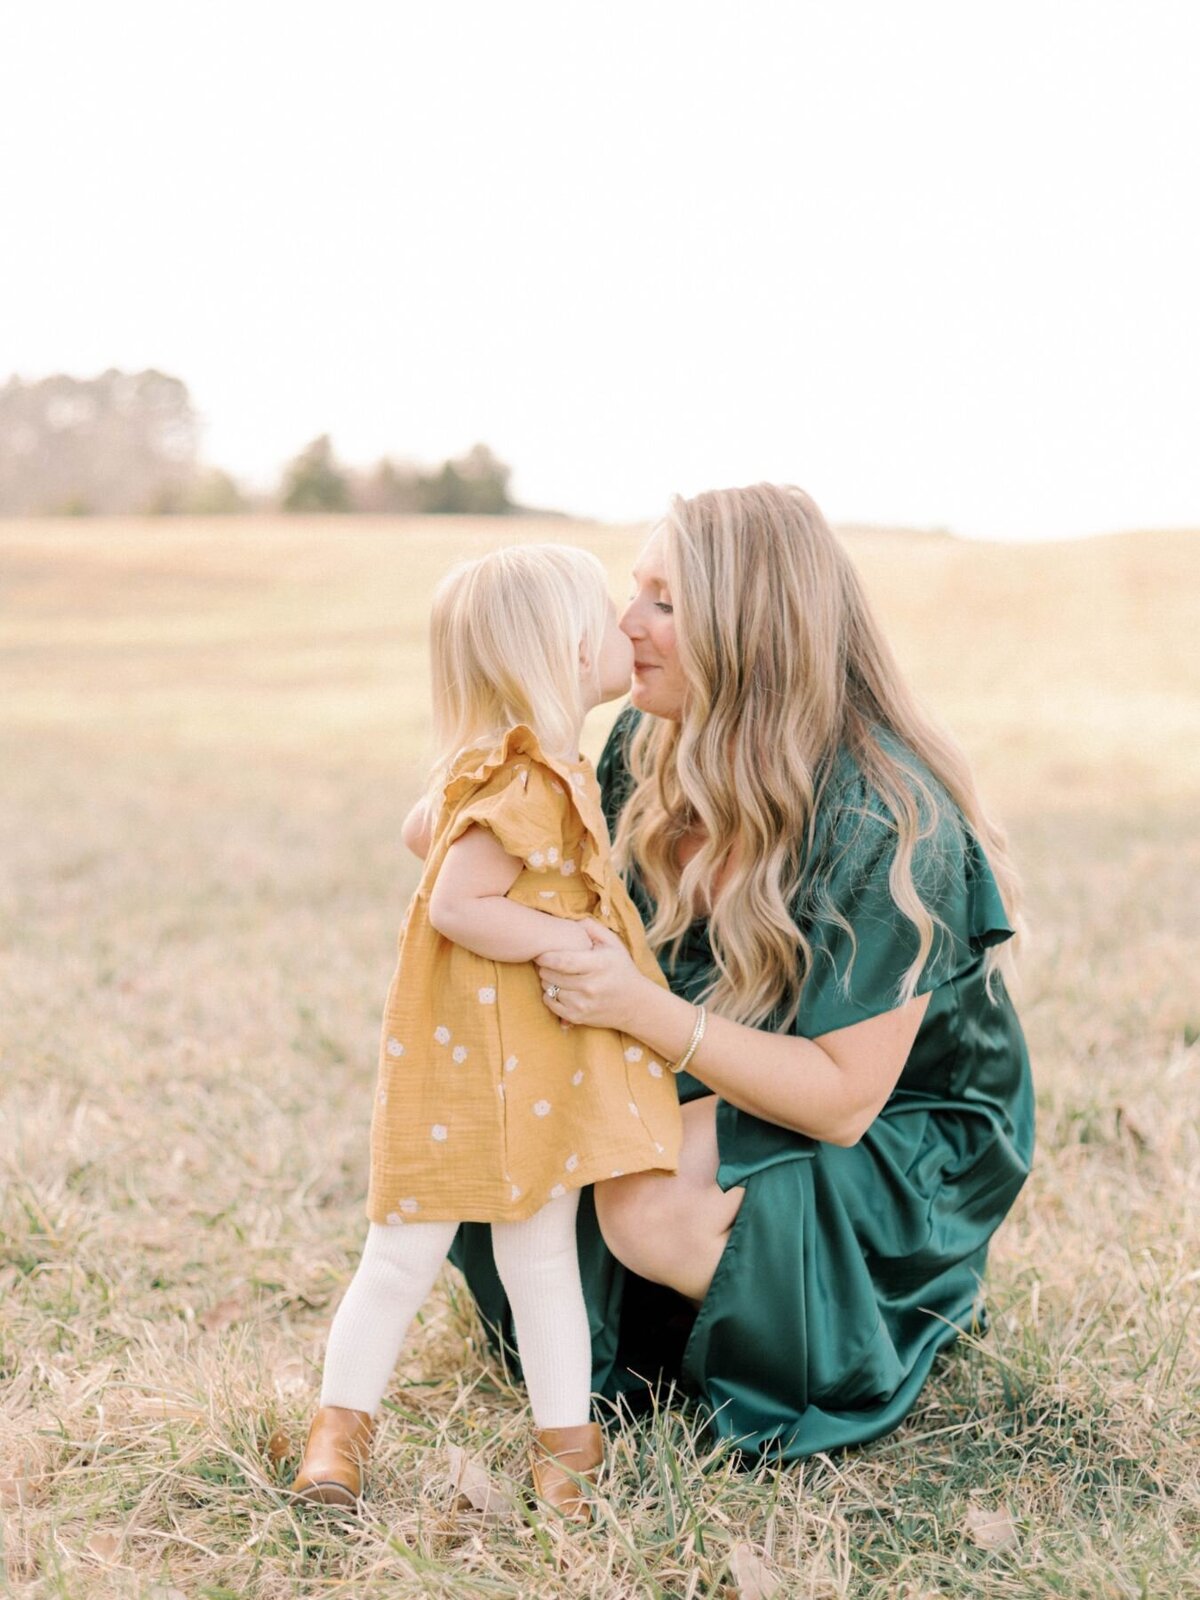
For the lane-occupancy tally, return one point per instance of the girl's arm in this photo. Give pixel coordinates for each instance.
(831, 1088)
(468, 906)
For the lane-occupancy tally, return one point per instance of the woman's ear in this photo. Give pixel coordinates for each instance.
(585, 662)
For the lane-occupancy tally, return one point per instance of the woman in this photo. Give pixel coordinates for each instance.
(828, 902)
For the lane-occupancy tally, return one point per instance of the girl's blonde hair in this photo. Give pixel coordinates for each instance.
(784, 665)
(505, 637)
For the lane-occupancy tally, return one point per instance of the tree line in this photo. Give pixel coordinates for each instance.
(128, 443)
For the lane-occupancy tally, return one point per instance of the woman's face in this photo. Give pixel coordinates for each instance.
(658, 683)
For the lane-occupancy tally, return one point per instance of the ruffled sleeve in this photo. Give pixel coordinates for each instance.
(516, 796)
(862, 942)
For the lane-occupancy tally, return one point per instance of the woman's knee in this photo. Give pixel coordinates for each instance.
(636, 1214)
(667, 1229)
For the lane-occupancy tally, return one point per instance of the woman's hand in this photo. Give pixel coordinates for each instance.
(599, 987)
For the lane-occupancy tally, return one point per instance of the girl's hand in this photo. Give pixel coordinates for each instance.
(599, 987)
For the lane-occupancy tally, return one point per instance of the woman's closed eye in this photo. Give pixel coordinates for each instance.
(664, 606)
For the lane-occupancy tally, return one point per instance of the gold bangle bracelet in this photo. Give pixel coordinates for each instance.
(694, 1042)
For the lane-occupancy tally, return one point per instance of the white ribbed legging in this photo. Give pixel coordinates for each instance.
(538, 1264)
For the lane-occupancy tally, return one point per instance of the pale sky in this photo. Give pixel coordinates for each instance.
(939, 262)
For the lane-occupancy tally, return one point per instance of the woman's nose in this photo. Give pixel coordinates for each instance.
(628, 620)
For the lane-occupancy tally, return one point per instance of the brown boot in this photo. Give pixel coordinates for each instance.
(331, 1473)
(561, 1456)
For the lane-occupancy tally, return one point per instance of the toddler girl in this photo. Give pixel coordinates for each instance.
(488, 1108)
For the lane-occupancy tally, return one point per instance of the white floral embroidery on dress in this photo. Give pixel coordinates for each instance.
(514, 1193)
(500, 1090)
(558, 1191)
(556, 786)
(547, 894)
(659, 1147)
(577, 1077)
(654, 1068)
(441, 1035)
(633, 1110)
(459, 1053)
(634, 1053)
(394, 1219)
(394, 1047)
(511, 1064)
(440, 1132)
(409, 1205)
(537, 859)
(571, 1162)
(578, 779)
(552, 855)
(617, 1172)
(568, 867)
(541, 1108)
(487, 996)
(381, 1097)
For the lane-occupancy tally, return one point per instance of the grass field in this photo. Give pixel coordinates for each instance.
(210, 732)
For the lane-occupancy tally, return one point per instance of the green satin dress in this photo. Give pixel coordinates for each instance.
(846, 1270)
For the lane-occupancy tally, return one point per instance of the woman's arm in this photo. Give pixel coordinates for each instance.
(415, 829)
(831, 1088)
(468, 906)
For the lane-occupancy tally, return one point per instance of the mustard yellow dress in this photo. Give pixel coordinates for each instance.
(487, 1104)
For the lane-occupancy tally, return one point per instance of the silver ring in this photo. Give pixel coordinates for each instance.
(552, 992)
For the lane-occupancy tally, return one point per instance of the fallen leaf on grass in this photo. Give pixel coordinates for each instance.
(990, 1529)
(474, 1489)
(279, 1446)
(104, 1545)
(19, 1489)
(752, 1579)
(221, 1316)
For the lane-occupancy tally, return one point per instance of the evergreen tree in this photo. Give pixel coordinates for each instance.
(314, 481)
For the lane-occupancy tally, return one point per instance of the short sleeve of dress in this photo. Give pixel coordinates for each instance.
(518, 800)
(862, 943)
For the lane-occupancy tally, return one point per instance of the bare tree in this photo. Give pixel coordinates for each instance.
(122, 442)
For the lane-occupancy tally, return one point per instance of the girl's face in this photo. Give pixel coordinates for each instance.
(649, 621)
(610, 677)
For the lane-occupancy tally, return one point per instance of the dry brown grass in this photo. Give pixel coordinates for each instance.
(210, 732)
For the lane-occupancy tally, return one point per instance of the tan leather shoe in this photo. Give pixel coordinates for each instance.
(559, 1458)
(331, 1473)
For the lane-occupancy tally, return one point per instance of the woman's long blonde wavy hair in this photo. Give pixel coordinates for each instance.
(505, 635)
(784, 665)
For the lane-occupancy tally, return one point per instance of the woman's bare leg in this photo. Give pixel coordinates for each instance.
(673, 1229)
